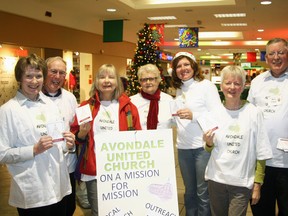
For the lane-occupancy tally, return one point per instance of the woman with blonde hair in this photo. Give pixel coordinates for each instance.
(111, 110)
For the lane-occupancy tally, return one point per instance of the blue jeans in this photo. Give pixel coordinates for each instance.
(192, 164)
(92, 196)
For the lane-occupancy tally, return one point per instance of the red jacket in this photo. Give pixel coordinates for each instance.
(88, 161)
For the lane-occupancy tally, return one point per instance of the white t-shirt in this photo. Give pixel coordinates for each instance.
(165, 119)
(239, 141)
(106, 120)
(270, 94)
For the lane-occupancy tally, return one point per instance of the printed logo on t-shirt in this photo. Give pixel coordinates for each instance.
(233, 139)
(273, 101)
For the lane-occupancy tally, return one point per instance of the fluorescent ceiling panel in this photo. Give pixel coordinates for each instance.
(233, 24)
(175, 26)
(229, 15)
(162, 18)
(149, 4)
(220, 35)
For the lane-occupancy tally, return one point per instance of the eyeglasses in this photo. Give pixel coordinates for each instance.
(150, 79)
(279, 53)
(55, 72)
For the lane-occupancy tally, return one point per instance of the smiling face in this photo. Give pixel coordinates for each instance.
(149, 82)
(277, 58)
(56, 76)
(184, 70)
(232, 86)
(31, 83)
(107, 83)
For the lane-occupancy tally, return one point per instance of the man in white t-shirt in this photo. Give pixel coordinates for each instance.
(269, 91)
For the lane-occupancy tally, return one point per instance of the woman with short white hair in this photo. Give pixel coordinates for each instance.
(239, 149)
(153, 104)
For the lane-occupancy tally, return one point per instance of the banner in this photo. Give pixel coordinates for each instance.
(136, 173)
(188, 37)
(251, 56)
(262, 56)
(237, 58)
(157, 33)
(113, 31)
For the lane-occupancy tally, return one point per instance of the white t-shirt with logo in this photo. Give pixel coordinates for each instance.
(270, 94)
(239, 141)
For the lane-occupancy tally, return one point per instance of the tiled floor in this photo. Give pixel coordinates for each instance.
(6, 210)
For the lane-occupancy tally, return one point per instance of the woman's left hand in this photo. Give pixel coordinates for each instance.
(256, 191)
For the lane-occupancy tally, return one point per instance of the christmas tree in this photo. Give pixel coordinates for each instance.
(146, 52)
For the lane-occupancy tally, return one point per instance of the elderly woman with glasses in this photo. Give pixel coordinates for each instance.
(152, 104)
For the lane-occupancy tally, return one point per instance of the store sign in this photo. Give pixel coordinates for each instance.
(165, 56)
(188, 37)
(136, 173)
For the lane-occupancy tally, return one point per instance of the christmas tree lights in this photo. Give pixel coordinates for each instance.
(146, 52)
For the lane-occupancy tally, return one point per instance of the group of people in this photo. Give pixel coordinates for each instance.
(223, 167)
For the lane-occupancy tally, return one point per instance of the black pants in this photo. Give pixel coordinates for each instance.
(274, 189)
(70, 199)
(51, 210)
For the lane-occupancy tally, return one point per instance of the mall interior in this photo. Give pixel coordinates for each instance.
(84, 53)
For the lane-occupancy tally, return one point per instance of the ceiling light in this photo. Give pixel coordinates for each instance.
(266, 2)
(162, 18)
(230, 15)
(111, 10)
(260, 30)
(259, 38)
(233, 24)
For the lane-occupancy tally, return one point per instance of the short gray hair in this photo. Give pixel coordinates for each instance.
(233, 70)
(149, 68)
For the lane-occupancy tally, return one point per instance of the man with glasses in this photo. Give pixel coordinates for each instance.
(67, 104)
(269, 91)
